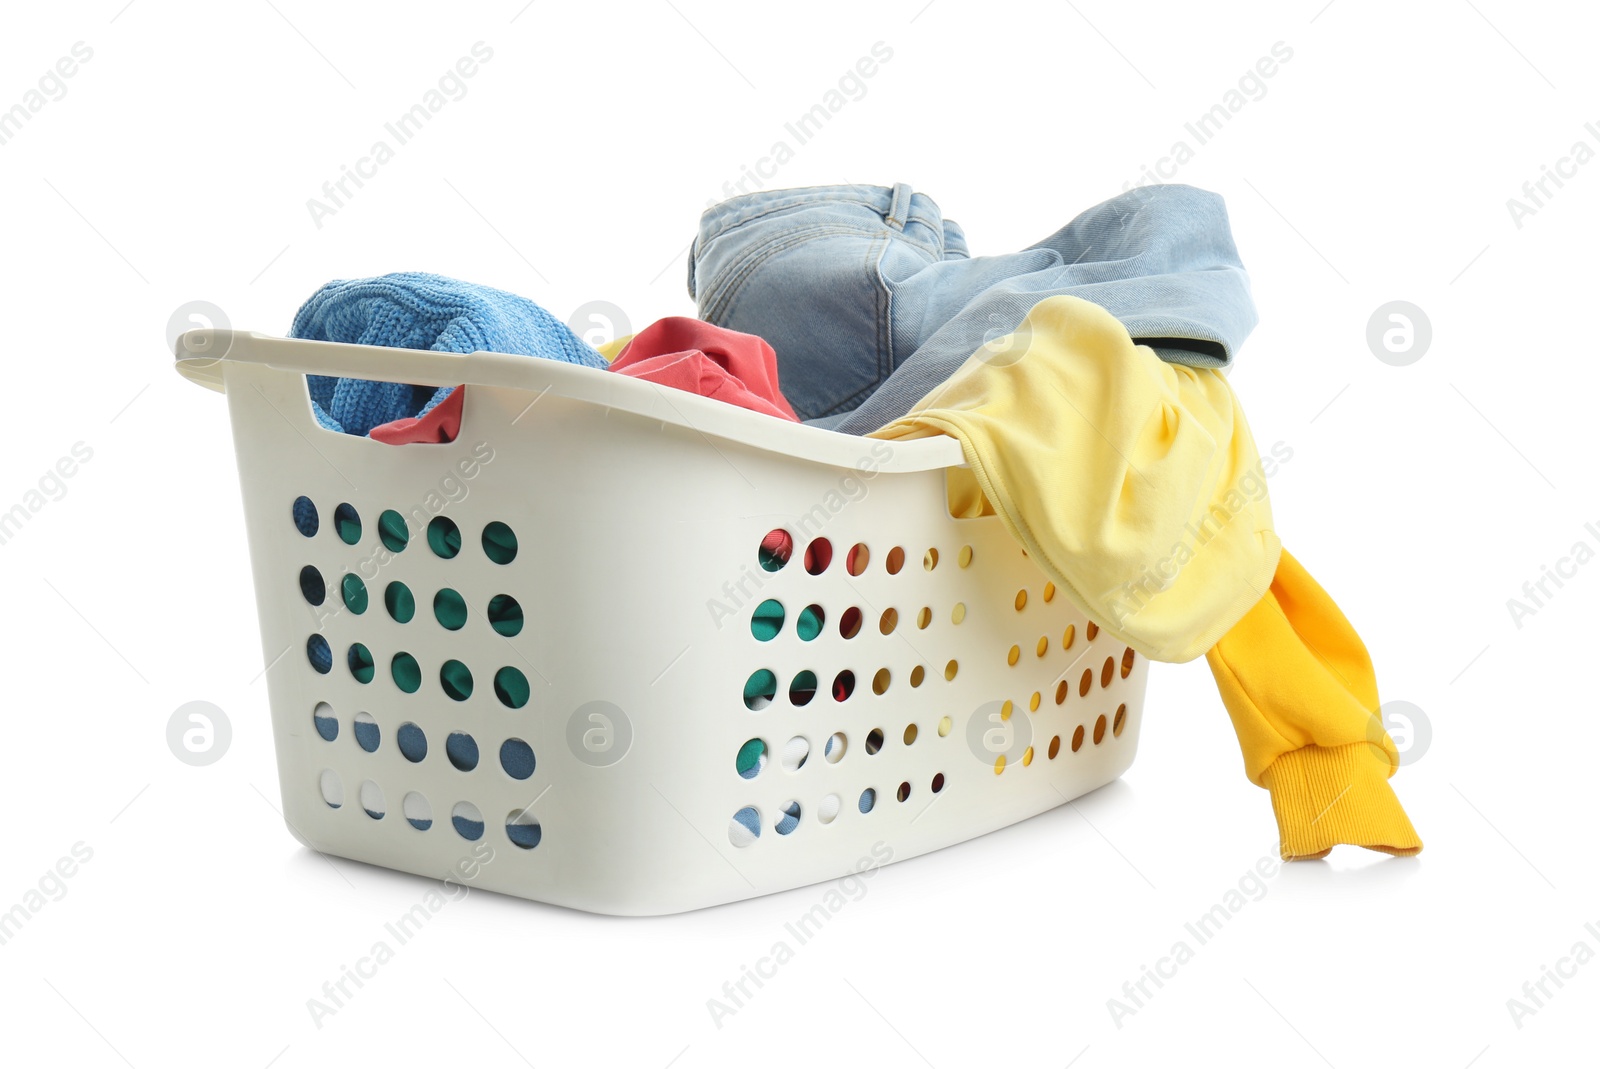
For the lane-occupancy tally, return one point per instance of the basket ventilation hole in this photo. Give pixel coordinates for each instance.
(888, 622)
(312, 587)
(938, 782)
(751, 759)
(1077, 738)
(924, 617)
(844, 685)
(468, 821)
(808, 625)
(1049, 593)
(305, 518)
(372, 800)
(1061, 692)
(1033, 701)
(1085, 682)
(1055, 747)
(767, 620)
(1127, 662)
(359, 660)
(462, 750)
(788, 818)
(959, 613)
(795, 754)
(1119, 721)
(500, 544)
(855, 561)
(1099, 728)
(450, 609)
(819, 554)
(455, 679)
(318, 653)
(395, 536)
(910, 735)
(1090, 630)
(902, 792)
(354, 592)
(347, 521)
(874, 740)
(1041, 647)
(1068, 637)
(367, 734)
(1027, 757)
(930, 560)
(418, 813)
(406, 672)
(950, 670)
(918, 674)
(511, 687)
(505, 615)
(869, 798)
(964, 558)
(850, 623)
(325, 721)
(523, 829)
(895, 561)
(760, 689)
(412, 741)
(516, 758)
(398, 600)
(880, 681)
(775, 550)
(745, 827)
(444, 537)
(332, 790)
(1013, 655)
(803, 688)
(1021, 601)
(833, 750)
(828, 808)
(1108, 671)
(945, 725)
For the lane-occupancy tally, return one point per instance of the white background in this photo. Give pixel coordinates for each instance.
(1376, 167)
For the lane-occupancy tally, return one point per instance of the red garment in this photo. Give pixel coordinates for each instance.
(680, 352)
(439, 425)
(693, 355)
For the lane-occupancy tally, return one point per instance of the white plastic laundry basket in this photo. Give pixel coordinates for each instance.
(555, 660)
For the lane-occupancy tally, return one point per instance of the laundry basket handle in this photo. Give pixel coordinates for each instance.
(203, 356)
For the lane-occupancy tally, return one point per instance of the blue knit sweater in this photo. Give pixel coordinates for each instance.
(412, 310)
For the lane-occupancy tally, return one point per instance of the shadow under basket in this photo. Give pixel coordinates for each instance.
(629, 650)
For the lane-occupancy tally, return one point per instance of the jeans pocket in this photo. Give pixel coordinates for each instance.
(815, 294)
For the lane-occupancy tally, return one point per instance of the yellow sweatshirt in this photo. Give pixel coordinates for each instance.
(1136, 486)
(1134, 483)
(612, 348)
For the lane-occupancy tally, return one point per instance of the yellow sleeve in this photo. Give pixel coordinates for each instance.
(1299, 686)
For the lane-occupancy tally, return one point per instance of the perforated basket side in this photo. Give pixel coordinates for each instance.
(610, 777)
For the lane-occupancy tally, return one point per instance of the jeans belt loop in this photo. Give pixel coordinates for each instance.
(899, 206)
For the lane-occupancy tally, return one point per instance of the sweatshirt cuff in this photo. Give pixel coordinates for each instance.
(1324, 796)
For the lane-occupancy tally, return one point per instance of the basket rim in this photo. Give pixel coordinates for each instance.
(207, 357)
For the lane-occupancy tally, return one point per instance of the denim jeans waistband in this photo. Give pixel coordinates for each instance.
(896, 207)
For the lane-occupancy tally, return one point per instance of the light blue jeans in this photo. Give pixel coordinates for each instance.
(871, 300)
